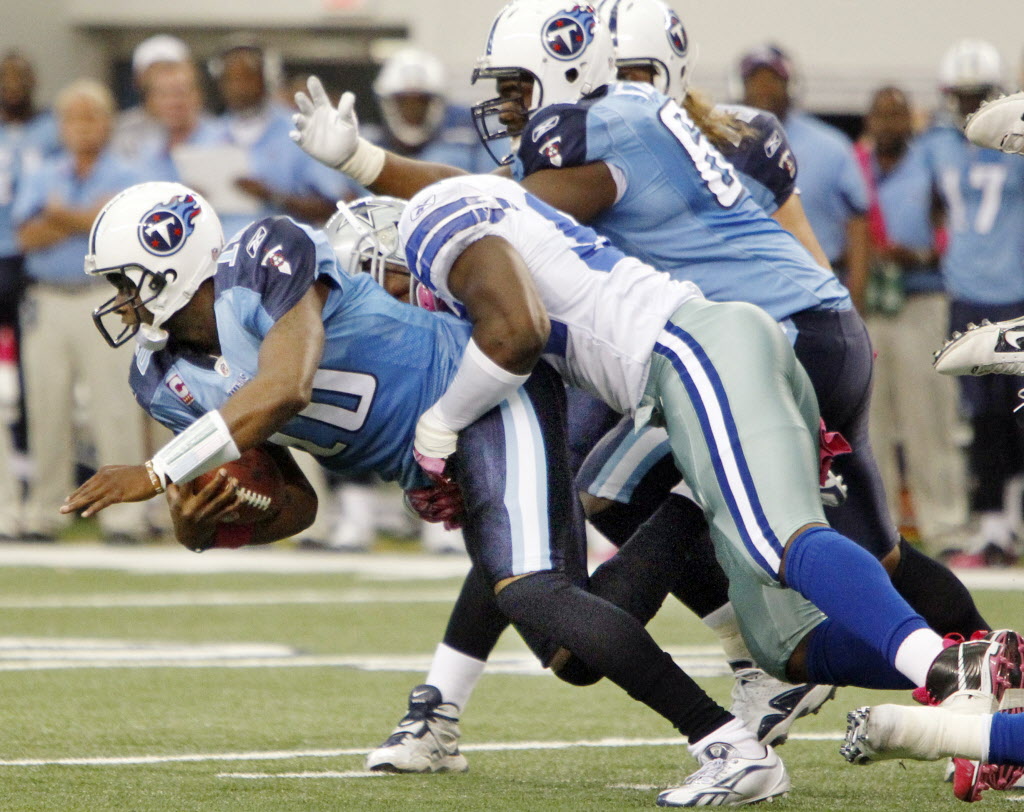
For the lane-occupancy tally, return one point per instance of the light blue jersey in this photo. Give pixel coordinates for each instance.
(983, 193)
(384, 362)
(154, 154)
(56, 180)
(22, 149)
(682, 208)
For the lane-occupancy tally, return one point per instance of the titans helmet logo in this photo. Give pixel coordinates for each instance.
(568, 33)
(166, 226)
(676, 33)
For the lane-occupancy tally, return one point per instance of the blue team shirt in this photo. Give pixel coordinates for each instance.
(154, 156)
(831, 185)
(905, 197)
(384, 362)
(279, 162)
(55, 179)
(983, 194)
(685, 209)
(22, 149)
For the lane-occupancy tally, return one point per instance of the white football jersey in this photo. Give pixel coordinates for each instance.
(606, 309)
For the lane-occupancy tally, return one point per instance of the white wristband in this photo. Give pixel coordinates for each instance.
(201, 447)
(365, 164)
(478, 386)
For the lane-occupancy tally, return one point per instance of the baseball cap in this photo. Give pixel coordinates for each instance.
(159, 48)
(766, 56)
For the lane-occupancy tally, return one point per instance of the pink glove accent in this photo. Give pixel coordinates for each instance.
(425, 298)
(831, 444)
(434, 466)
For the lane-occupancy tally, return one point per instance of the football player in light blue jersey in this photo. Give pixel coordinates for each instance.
(830, 339)
(982, 194)
(270, 340)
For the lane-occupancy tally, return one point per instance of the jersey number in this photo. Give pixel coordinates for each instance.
(990, 180)
(715, 171)
(344, 386)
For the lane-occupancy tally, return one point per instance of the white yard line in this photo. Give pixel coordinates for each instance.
(101, 600)
(283, 755)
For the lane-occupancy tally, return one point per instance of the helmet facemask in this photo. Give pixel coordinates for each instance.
(506, 115)
(137, 287)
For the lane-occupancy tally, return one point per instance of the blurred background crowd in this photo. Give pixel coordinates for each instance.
(878, 183)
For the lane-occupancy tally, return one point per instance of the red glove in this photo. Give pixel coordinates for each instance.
(441, 502)
(831, 444)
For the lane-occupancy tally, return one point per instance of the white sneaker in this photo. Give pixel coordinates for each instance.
(728, 779)
(425, 741)
(768, 707)
(998, 124)
(984, 349)
(355, 528)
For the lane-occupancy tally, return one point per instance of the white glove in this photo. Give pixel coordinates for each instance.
(331, 135)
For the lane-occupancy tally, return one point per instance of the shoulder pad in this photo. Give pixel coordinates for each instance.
(555, 138)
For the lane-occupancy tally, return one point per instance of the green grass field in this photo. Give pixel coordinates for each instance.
(88, 725)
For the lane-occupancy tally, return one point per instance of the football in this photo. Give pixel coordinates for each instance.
(260, 484)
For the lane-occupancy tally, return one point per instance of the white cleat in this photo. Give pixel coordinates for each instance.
(998, 124)
(728, 779)
(425, 741)
(769, 707)
(896, 731)
(984, 349)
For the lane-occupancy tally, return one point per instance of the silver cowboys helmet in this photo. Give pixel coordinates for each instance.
(156, 243)
(564, 49)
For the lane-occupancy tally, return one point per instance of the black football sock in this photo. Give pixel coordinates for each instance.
(611, 642)
(936, 593)
(476, 622)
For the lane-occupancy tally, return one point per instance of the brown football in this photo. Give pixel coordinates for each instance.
(260, 484)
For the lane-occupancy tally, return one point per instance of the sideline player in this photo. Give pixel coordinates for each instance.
(269, 339)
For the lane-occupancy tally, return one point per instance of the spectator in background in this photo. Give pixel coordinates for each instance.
(53, 212)
(912, 408)
(282, 179)
(175, 98)
(831, 186)
(138, 126)
(982, 194)
(27, 135)
(418, 122)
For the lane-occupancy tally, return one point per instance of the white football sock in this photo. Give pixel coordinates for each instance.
(916, 654)
(900, 731)
(455, 675)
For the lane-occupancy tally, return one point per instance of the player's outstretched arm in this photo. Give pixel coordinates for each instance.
(331, 135)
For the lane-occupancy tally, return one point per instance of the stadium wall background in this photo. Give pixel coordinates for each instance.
(845, 48)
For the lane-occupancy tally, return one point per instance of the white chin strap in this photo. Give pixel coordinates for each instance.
(151, 338)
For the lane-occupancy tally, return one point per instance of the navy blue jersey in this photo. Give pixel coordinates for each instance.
(384, 363)
(763, 157)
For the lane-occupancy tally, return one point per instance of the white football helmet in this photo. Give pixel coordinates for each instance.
(156, 243)
(649, 34)
(411, 71)
(562, 47)
(971, 65)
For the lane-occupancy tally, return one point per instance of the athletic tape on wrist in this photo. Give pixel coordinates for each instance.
(365, 164)
(201, 447)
